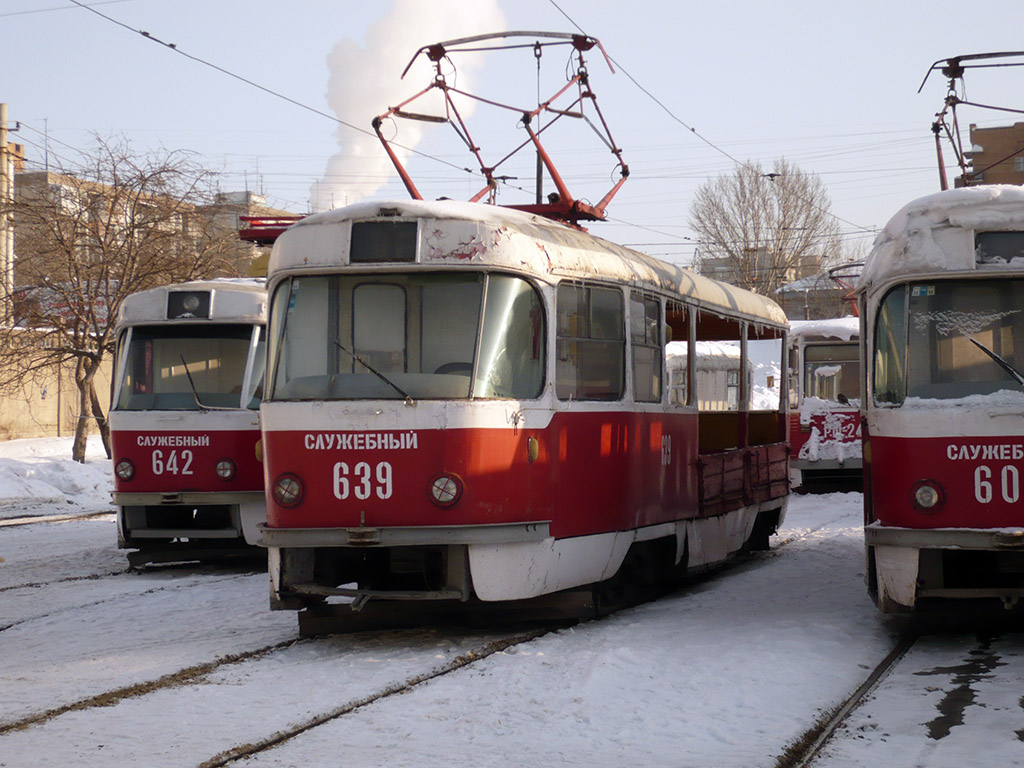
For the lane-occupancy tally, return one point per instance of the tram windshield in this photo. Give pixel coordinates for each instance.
(832, 371)
(949, 339)
(399, 336)
(160, 360)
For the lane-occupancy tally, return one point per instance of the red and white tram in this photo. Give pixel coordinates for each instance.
(466, 401)
(184, 421)
(824, 389)
(942, 296)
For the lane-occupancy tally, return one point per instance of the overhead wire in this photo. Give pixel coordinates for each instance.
(681, 122)
(199, 60)
(270, 91)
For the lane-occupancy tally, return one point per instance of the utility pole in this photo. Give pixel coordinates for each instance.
(6, 219)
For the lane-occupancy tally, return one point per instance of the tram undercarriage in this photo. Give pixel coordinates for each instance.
(614, 569)
(908, 566)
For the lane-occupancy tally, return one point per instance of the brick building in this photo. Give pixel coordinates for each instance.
(996, 156)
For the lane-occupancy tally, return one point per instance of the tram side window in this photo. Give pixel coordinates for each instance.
(677, 353)
(590, 343)
(512, 341)
(891, 348)
(645, 336)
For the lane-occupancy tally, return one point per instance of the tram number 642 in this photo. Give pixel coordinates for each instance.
(362, 480)
(1009, 484)
(173, 464)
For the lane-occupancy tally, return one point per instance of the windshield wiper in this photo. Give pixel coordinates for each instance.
(195, 393)
(378, 374)
(1002, 363)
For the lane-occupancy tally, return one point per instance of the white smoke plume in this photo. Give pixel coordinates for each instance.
(365, 80)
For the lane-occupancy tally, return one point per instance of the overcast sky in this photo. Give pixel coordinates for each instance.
(830, 86)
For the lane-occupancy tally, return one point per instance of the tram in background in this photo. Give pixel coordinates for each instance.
(824, 392)
(942, 297)
(184, 420)
(467, 402)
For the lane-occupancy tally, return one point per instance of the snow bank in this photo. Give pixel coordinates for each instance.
(38, 475)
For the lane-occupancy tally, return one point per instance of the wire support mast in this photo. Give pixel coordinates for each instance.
(569, 101)
(946, 122)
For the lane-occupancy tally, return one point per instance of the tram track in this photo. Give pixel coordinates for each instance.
(96, 577)
(245, 751)
(803, 751)
(9, 522)
(185, 676)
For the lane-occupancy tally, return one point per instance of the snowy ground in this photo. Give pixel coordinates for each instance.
(728, 672)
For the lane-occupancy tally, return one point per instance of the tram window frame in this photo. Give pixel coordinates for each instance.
(889, 353)
(842, 355)
(590, 342)
(646, 349)
(998, 247)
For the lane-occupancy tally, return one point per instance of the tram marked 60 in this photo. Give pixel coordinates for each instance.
(943, 298)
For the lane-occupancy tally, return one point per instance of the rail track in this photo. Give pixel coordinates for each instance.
(312, 678)
(17, 520)
(805, 749)
(245, 751)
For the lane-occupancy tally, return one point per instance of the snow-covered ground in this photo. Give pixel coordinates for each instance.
(727, 672)
(38, 477)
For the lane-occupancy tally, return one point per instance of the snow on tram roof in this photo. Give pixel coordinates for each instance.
(935, 233)
(233, 299)
(841, 328)
(479, 233)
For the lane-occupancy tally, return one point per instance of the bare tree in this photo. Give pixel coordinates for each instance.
(87, 236)
(762, 230)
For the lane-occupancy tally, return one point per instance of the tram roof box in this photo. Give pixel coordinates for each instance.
(936, 233)
(238, 300)
(483, 234)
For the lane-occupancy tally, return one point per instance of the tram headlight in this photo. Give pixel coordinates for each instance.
(445, 490)
(928, 496)
(125, 470)
(225, 469)
(288, 490)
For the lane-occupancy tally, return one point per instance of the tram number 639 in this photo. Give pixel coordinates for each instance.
(1009, 484)
(362, 480)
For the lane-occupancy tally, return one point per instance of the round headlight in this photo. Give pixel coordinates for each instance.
(288, 490)
(445, 490)
(125, 470)
(190, 303)
(928, 496)
(225, 469)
